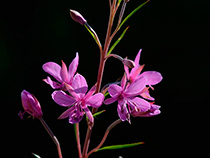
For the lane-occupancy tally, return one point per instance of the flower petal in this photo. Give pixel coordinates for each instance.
(90, 92)
(53, 69)
(64, 73)
(89, 114)
(73, 67)
(110, 101)
(53, 84)
(140, 103)
(136, 61)
(67, 113)
(62, 98)
(95, 100)
(153, 77)
(76, 116)
(80, 85)
(123, 111)
(114, 90)
(136, 87)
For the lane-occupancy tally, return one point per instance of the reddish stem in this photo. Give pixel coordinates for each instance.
(52, 136)
(105, 136)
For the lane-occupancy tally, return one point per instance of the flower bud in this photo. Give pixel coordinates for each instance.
(76, 16)
(31, 104)
(129, 63)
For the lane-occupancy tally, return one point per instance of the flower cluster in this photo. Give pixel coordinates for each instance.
(133, 85)
(77, 101)
(71, 89)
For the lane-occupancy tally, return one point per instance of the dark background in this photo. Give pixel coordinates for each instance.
(175, 40)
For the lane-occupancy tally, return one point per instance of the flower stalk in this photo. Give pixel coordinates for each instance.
(105, 136)
(55, 140)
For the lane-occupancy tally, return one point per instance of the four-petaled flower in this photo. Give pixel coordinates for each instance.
(127, 97)
(61, 74)
(152, 77)
(79, 101)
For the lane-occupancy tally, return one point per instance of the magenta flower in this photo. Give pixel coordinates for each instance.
(152, 77)
(154, 110)
(61, 74)
(31, 104)
(126, 95)
(79, 101)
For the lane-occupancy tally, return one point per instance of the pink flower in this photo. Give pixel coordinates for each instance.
(31, 104)
(61, 74)
(126, 95)
(152, 77)
(154, 110)
(79, 101)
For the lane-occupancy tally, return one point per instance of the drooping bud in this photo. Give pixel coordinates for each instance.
(127, 62)
(31, 104)
(76, 16)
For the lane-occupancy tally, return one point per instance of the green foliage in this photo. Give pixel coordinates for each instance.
(118, 40)
(113, 147)
(134, 11)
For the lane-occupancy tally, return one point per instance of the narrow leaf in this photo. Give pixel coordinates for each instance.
(113, 147)
(98, 113)
(37, 156)
(91, 33)
(118, 40)
(135, 10)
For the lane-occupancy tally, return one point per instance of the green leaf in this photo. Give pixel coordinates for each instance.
(113, 147)
(98, 113)
(135, 10)
(118, 40)
(90, 33)
(37, 156)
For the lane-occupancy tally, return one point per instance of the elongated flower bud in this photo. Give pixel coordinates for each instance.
(76, 16)
(31, 104)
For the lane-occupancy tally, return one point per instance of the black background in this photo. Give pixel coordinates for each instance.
(175, 41)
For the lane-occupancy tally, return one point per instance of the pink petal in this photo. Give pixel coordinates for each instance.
(80, 85)
(89, 114)
(95, 100)
(152, 77)
(114, 90)
(123, 81)
(141, 104)
(54, 85)
(136, 61)
(64, 72)
(73, 67)
(127, 72)
(66, 113)
(53, 69)
(135, 87)
(90, 92)
(110, 101)
(123, 111)
(62, 98)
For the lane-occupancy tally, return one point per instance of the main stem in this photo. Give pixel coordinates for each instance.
(52, 136)
(100, 75)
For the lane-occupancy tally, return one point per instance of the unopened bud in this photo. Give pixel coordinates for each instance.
(31, 104)
(76, 16)
(129, 63)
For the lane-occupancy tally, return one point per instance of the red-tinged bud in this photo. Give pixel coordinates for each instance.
(76, 16)
(31, 104)
(129, 63)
